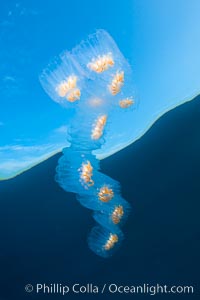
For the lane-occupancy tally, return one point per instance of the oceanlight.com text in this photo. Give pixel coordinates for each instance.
(111, 288)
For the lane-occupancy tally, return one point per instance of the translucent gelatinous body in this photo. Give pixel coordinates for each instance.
(97, 75)
(104, 242)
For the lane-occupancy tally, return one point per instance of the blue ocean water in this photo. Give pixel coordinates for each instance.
(43, 229)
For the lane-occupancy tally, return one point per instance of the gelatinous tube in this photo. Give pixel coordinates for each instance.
(92, 73)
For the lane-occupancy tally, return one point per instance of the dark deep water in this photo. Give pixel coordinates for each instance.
(43, 230)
